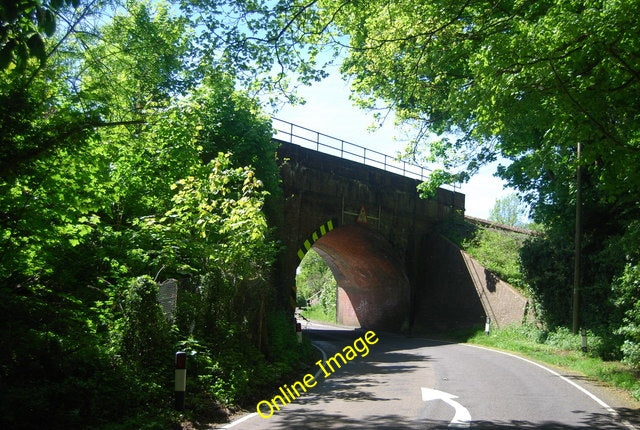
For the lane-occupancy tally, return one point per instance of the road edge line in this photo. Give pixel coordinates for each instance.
(253, 414)
(240, 420)
(589, 394)
(324, 358)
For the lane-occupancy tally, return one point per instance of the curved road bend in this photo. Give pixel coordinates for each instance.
(465, 387)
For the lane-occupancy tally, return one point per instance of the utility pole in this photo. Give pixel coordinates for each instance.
(578, 246)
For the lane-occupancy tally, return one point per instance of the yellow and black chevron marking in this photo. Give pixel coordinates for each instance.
(324, 229)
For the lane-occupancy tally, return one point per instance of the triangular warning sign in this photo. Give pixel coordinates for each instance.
(362, 216)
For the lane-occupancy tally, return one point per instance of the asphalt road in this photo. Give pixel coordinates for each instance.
(413, 383)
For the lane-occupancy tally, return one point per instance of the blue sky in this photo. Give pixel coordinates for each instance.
(328, 110)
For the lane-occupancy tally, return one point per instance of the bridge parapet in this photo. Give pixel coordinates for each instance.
(288, 132)
(329, 187)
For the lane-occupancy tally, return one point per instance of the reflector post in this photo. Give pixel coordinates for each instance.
(180, 379)
(181, 360)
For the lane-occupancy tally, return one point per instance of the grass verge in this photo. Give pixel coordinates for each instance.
(559, 349)
(318, 313)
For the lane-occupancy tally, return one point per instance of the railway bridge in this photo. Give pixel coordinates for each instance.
(360, 210)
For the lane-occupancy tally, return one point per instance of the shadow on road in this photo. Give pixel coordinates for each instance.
(305, 419)
(358, 377)
(385, 358)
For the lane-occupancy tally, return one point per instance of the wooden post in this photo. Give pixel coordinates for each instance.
(578, 245)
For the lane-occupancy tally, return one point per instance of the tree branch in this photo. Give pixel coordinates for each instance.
(55, 48)
(627, 66)
(10, 165)
(582, 109)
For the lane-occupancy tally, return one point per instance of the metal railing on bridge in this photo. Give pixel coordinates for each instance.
(292, 133)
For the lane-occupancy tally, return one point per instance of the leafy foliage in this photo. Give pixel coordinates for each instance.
(627, 288)
(606, 295)
(508, 210)
(316, 284)
(22, 25)
(123, 165)
(630, 283)
(547, 268)
(497, 250)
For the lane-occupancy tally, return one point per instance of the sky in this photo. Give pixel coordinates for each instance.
(328, 110)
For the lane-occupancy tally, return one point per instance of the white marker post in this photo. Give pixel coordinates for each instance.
(487, 326)
(180, 379)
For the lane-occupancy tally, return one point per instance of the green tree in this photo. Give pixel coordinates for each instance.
(316, 283)
(22, 27)
(628, 299)
(508, 210)
(523, 80)
(113, 131)
(526, 81)
(147, 50)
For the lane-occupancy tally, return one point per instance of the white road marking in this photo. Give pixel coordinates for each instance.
(324, 358)
(240, 420)
(461, 418)
(595, 398)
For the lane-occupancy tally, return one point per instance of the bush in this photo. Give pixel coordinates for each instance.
(284, 350)
(67, 377)
(499, 252)
(233, 371)
(145, 340)
(627, 287)
(316, 283)
(547, 269)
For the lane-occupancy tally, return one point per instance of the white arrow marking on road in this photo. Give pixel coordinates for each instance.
(461, 419)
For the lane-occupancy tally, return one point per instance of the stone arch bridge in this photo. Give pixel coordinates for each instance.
(361, 212)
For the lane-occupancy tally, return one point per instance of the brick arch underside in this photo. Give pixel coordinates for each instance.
(373, 289)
